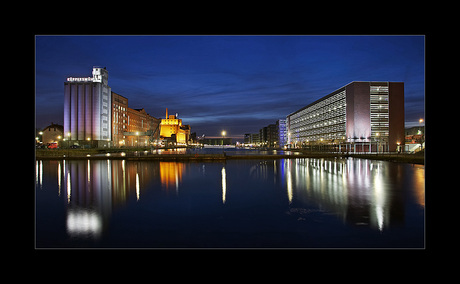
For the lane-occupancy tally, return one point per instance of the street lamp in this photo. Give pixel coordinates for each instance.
(420, 121)
(223, 136)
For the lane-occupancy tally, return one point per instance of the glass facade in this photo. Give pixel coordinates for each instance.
(282, 132)
(322, 120)
(362, 116)
(379, 112)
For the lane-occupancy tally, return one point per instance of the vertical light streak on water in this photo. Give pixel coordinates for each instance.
(224, 185)
(89, 172)
(41, 174)
(69, 190)
(289, 181)
(138, 191)
(59, 179)
(379, 198)
(36, 172)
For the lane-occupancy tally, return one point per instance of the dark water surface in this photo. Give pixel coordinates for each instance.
(285, 203)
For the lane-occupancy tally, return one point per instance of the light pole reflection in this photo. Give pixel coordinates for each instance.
(224, 185)
(137, 187)
(289, 180)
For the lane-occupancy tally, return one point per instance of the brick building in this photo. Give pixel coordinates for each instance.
(139, 124)
(119, 119)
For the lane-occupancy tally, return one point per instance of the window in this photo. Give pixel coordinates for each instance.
(379, 111)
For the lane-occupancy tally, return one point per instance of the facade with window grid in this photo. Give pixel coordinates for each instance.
(367, 115)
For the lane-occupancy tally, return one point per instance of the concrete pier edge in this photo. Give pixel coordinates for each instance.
(52, 155)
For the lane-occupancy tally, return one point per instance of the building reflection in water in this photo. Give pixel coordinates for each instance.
(93, 188)
(39, 173)
(288, 174)
(171, 175)
(419, 181)
(363, 192)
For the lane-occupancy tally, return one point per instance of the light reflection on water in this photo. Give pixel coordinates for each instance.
(362, 192)
(358, 192)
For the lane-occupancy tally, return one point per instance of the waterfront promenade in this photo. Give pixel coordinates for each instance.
(144, 154)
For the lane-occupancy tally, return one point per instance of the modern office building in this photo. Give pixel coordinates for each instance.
(87, 109)
(282, 132)
(255, 138)
(268, 136)
(358, 117)
(252, 138)
(247, 138)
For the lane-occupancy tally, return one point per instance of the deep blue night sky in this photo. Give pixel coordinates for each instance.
(236, 83)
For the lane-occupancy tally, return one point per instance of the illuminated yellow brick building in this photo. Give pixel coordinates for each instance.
(171, 127)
